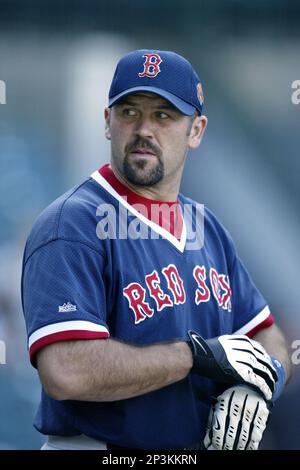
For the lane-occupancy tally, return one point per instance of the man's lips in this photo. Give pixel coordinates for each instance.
(143, 151)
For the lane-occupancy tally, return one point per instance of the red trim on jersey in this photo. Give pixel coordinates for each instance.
(264, 324)
(63, 336)
(152, 206)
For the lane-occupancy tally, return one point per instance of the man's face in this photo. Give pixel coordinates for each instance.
(149, 138)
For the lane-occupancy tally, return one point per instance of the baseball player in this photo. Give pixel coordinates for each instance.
(145, 327)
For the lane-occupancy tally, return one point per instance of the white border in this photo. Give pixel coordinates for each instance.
(259, 318)
(65, 326)
(179, 244)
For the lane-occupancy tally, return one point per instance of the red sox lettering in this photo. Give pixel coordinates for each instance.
(136, 294)
(203, 293)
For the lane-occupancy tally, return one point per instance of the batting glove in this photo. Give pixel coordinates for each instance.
(237, 420)
(234, 359)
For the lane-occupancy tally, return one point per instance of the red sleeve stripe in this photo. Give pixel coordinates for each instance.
(65, 331)
(262, 320)
(265, 324)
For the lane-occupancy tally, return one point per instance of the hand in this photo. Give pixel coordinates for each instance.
(237, 421)
(234, 359)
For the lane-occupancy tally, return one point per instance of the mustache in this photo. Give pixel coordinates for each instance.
(144, 144)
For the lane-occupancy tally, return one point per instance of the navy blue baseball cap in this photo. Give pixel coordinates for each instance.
(162, 72)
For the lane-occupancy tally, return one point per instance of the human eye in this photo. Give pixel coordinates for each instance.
(162, 115)
(130, 112)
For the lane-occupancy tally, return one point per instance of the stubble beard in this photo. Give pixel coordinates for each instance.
(143, 172)
(138, 172)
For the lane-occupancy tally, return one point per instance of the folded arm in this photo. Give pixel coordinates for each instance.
(109, 370)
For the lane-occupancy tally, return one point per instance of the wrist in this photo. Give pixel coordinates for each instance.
(280, 384)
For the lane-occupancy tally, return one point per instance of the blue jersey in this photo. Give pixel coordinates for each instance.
(96, 266)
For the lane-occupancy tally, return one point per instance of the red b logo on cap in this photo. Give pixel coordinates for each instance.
(151, 65)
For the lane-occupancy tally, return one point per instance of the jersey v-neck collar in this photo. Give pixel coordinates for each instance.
(134, 203)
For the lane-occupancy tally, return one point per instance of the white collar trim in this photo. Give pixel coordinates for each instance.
(179, 244)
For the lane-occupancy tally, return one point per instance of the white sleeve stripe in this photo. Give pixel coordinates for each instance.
(65, 326)
(259, 318)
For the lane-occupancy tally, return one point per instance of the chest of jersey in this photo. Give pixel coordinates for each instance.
(157, 293)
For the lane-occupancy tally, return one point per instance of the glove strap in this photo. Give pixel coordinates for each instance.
(280, 384)
(210, 359)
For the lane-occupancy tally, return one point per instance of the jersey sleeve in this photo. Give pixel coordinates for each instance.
(251, 312)
(63, 294)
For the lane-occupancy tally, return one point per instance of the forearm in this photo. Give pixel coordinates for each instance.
(274, 343)
(109, 370)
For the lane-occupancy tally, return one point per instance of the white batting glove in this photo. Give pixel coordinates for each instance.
(237, 421)
(234, 359)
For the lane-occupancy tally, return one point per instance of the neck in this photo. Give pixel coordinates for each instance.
(168, 191)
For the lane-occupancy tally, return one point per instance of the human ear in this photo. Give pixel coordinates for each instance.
(107, 123)
(197, 131)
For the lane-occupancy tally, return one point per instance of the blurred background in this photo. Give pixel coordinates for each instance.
(57, 59)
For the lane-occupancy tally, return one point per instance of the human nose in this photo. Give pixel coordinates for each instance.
(145, 127)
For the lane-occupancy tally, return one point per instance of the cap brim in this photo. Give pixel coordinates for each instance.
(182, 106)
